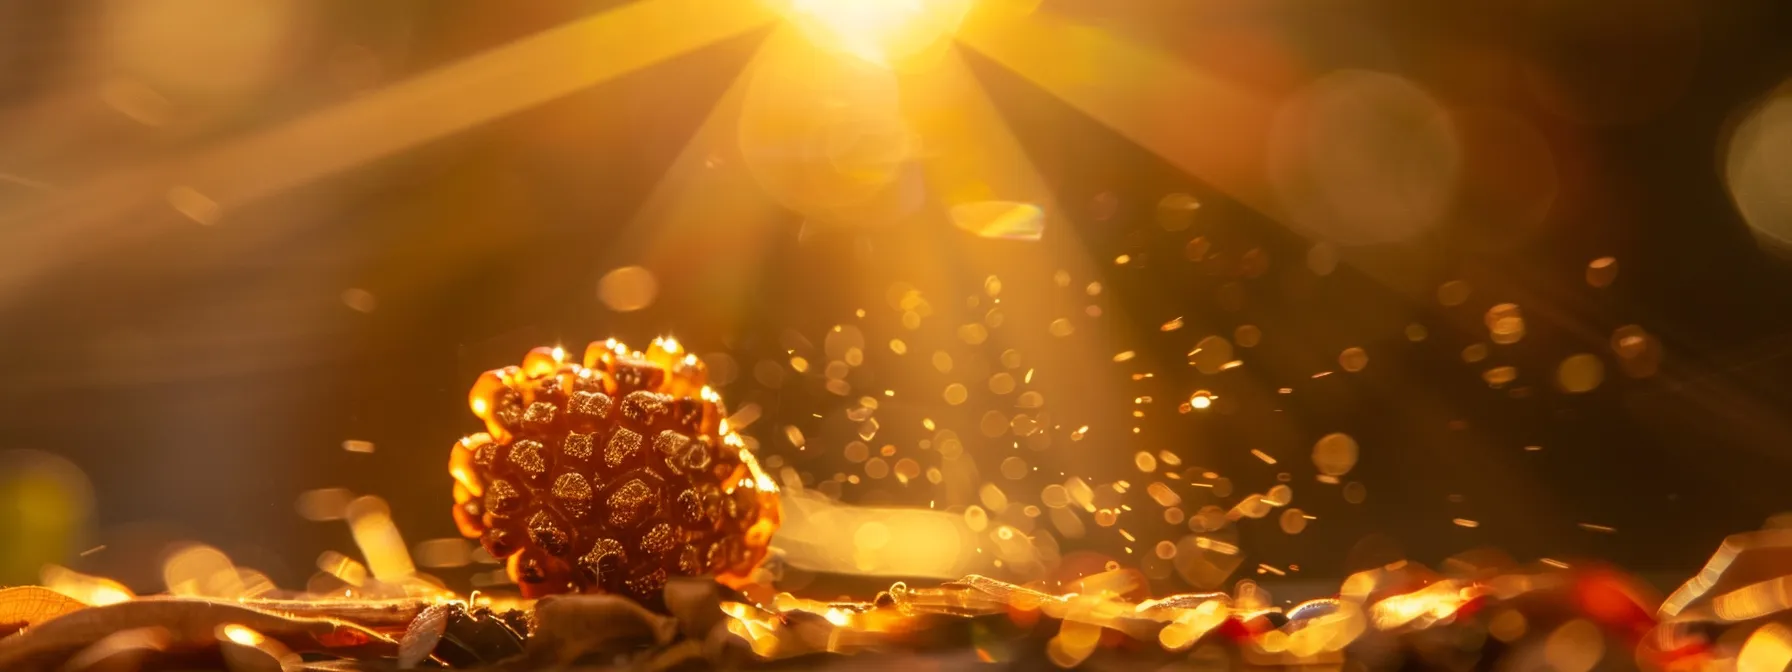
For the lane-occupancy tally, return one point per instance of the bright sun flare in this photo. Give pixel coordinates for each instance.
(880, 31)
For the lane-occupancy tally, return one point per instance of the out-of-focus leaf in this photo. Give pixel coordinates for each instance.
(26, 606)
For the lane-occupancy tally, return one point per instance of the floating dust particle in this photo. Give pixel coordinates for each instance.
(1092, 289)
(1639, 353)
(1175, 212)
(992, 497)
(1507, 625)
(1474, 353)
(354, 446)
(1197, 248)
(1172, 325)
(1021, 425)
(842, 340)
(1322, 259)
(1464, 522)
(935, 476)
(1263, 456)
(1123, 260)
(1590, 527)
(1209, 518)
(1011, 358)
(1254, 263)
(1054, 496)
(324, 504)
(993, 424)
(1354, 492)
(1124, 356)
(1079, 433)
(794, 434)
(1061, 278)
(1247, 336)
(1029, 399)
(1028, 379)
(1453, 293)
(1500, 375)
(1210, 354)
(1201, 399)
(1174, 515)
(196, 206)
(360, 300)
(1293, 521)
(1000, 220)
(1602, 271)
(1416, 332)
(942, 361)
(1505, 323)
(628, 289)
(1014, 468)
(1106, 517)
(1061, 327)
(1280, 495)
(1092, 311)
(1580, 373)
(1326, 478)
(898, 347)
(1169, 458)
(769, 373)
(1166, 549)
(1145, 462)
(992, 286)
(1353, 359)
(857, 452)
(1335, 454)
(956, 394)
(1162, 494)
(1222, 487)
(1576, 646)
(443, 553)
(1001, 383)
(976, 518)
(886, 451)
(877, 467)
(1252, 506)
(973, 333)
(744, 417)
(799, 364)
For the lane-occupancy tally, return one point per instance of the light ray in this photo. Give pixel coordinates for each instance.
(515, 77)
(506, 80)
(705, 206)
(1199, 123)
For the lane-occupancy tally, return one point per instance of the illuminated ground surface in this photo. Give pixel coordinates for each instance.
(1527, 259)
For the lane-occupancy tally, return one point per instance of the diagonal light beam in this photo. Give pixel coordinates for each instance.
(523, 74)
(503, 81)
(1203, 125)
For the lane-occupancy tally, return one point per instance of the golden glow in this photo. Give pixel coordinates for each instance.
(883, 32)
(241, 635)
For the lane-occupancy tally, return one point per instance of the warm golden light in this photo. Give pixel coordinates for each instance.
(884, 32)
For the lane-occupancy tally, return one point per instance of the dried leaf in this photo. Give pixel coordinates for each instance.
(568, 627)
(420, 639)
(190, 623)
(26, 606)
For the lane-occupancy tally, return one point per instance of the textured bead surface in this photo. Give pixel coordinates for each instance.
(610, 475)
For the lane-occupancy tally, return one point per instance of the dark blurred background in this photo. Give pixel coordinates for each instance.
(202, 364)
